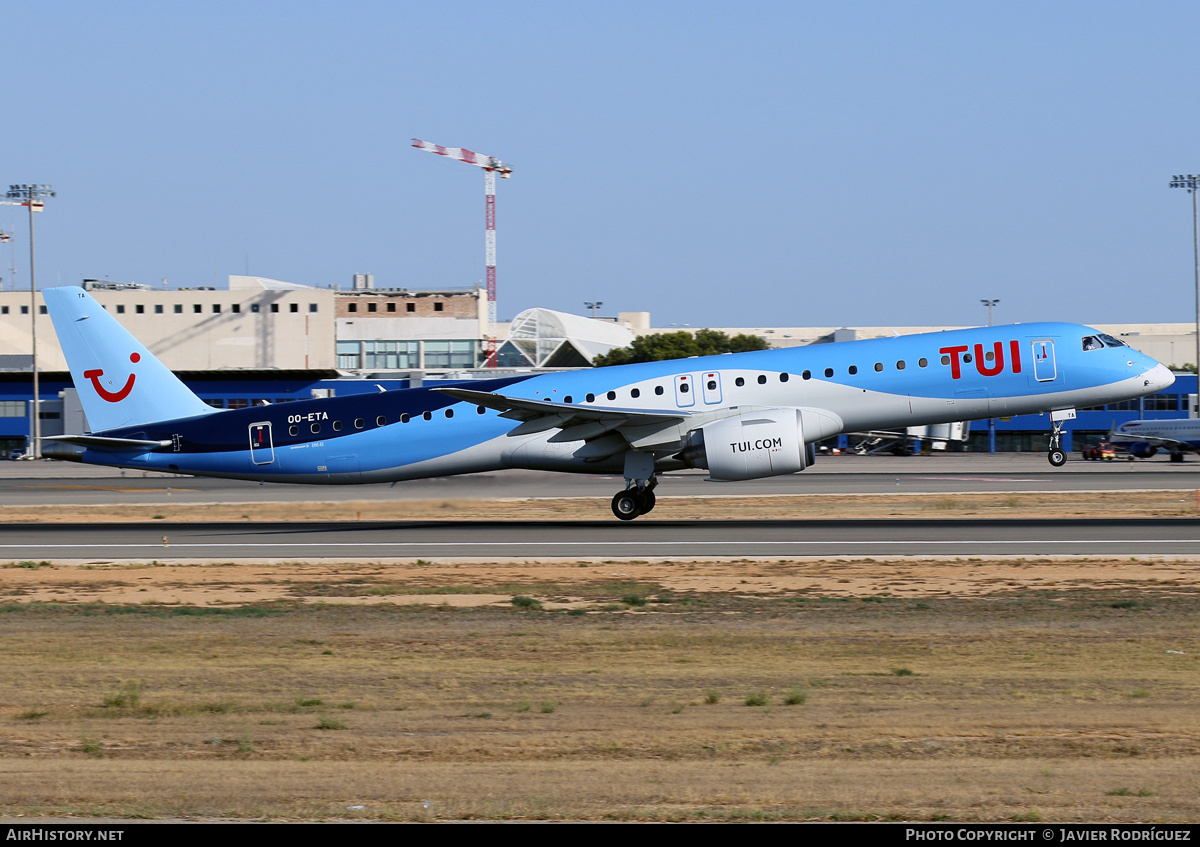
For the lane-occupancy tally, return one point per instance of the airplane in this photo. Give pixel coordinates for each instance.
(738, 415)
(1145, 438)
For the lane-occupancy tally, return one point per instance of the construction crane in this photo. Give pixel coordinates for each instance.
(491, 166)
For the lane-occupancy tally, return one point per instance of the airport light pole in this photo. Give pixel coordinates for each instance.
(593, 306)
(1191, 182)
(991, 421)
(32, 197)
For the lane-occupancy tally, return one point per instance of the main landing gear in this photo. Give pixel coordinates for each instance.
(640, 482)
(631, 502)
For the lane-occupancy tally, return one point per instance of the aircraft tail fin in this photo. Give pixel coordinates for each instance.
(120, 382)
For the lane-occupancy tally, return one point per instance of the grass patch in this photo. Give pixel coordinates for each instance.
(795, 697)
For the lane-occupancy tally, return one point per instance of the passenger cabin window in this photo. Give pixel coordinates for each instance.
(852, 370)
(879, 367)
(924, 363)
(739, 382)
(658, 389)
(806, 375)
(762, 379)
(828, 372)
(784, 377)
(900, 365)
(635, 393)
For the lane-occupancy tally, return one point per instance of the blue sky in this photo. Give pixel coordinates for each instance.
(757, 163)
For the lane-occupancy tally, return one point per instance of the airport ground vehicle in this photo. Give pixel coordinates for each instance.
(1098, 451)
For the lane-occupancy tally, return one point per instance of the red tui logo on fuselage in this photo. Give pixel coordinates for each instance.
(984, 368)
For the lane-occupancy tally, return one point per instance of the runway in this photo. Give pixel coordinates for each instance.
(58, 484)
(591, 539)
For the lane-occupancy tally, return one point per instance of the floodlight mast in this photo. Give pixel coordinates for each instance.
(32, 196)
(491, 166)
(1192, 183)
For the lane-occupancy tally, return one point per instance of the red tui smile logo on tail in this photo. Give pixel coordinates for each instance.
(112, 397)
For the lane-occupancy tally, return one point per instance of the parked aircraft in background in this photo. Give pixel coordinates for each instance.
(739, 415)
(1145, 438)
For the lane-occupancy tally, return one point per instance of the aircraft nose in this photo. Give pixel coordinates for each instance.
(1159, 377)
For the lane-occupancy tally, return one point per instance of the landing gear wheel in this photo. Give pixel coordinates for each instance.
(625, 505)
(1176, 457)
(645, 501)
(1057, 457)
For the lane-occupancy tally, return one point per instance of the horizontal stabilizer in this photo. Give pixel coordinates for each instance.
(99, 442)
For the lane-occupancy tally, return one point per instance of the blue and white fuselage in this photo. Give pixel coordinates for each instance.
(741, 416)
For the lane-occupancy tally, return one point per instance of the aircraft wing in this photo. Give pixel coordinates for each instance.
(578, 422)
(1125, 439)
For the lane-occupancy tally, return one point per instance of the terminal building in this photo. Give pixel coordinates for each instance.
(262, 340)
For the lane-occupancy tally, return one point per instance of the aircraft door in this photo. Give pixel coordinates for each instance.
(262, 448)
(1044, 367)
(711, 388)
(684, 393)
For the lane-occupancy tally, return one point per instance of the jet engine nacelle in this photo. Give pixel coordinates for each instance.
(1142, 450)
(757, 444)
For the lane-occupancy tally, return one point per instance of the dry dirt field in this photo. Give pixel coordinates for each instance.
(756, 689)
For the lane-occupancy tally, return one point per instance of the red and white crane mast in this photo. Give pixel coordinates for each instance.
(491, 166)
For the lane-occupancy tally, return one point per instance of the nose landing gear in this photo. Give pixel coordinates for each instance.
(1058, 456)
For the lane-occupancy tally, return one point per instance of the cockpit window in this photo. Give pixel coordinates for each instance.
(1109, 341)
(1092, 342)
